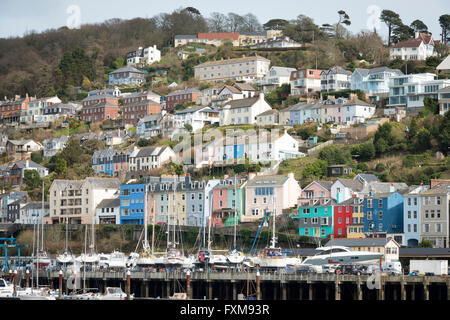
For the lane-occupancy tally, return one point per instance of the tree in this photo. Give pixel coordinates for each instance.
(315, 170)
(275, 24)
(217, 22)
(72, 152)
(423, 139)
(36, 157)
(334, 155)
(402, 32)
(425, 244)
(444, 22)
(343, 19)
(188, 127)
(418, 25)
(32, 179)
(392, 20)
(61, 167)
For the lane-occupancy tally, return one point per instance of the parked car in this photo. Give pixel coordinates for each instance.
(347, 269)
(392, 272)
(305, 269)
(328, 268)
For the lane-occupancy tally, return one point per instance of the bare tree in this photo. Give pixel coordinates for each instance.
(217, 22)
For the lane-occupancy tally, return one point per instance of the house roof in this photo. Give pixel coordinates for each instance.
(282, 71)
(241, 103)
(385, 187)
(244, 86)
(194, 109)
(31, 164)
(268, 112)
(235, 60)
(186, 36)
(367, 177)
(104, 183)
(424, 252)
(445, 64)
(441, 188)
(151, 151)
(35, 205)
(265, 180)
(337, 70)
(188, 90)
(109, 203)
(219, 36)
(365, 242)
(126, 69)
(445, 89)
(355, 185)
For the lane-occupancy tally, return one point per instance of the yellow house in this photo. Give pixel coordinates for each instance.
(355, 229)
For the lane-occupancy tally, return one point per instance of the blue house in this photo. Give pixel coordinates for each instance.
(132, 203)
(374, 81)
(383, 214)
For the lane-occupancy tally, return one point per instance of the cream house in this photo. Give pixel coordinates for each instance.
(78, 199)
(243, 111)
(248, 69)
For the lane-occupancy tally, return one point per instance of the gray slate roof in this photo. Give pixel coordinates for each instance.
(365, 242)
(109, 203)
(267, 180)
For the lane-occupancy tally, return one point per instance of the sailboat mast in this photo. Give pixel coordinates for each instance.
(84, 262)
(42, 215)
(145, 244)
(173, 208)
(153, 227)
(235, 213)
(273, 227)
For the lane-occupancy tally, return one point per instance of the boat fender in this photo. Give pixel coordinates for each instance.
(338, 271)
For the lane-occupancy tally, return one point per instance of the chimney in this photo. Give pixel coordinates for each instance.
(391, 188)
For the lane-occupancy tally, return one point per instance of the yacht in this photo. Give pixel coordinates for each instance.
(65, 259)
(114, 293)
(342, 255)
(6, 289)
(176, 258)
(41, 260)
(103, 260)
(117, 259)
(35, 294)
(235, 256)
(132, 259)
(271, 257)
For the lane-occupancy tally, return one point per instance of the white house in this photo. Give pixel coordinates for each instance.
(78, 199)
(108, 211)
(31, 213)
(248, 69)
(196, 117)
(344, 189)
(276, 77)
(35, 108)
(150, 157)
(143, 56)
(444, 66)
(256, 147)
(305, 81)
(374, 82)
(243, 111)
(54, 145)
(418, 48)
(278, 42)
(410, 90)
(149, 126)
(335, 79)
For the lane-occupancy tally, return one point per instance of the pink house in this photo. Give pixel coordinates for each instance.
(270, 193)
(316, 190)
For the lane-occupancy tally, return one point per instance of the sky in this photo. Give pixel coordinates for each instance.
(20, 16)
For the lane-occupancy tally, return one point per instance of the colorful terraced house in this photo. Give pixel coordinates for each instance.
(228, 201)
(316, 218)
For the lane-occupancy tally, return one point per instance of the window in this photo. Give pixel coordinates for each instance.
(438, 200)
(369, 215)
(380, 215)
(380, 203)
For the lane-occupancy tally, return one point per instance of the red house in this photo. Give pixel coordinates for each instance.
(342, 218)
(139, 105)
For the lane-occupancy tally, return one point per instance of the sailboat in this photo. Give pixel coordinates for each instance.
(39, 261)
(90, 259)
(174, 256)
(272, 256)
(235, 256)
(66, 259)
(146, 258)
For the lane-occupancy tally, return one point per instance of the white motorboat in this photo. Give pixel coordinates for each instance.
(65, 258)
(176, 258)
(271, 258)
(235, 256)
(342, 255)
(6, 289)
(41, 260)
(114, 293)
(117, 259)
(90, 295)
(35, 294)
(103, 260)
(132, 259)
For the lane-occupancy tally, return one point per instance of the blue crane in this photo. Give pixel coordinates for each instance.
(10, 243)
